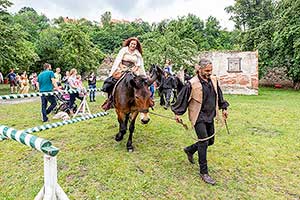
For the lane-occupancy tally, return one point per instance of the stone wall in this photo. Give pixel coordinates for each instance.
(104, 68)
(237, 71)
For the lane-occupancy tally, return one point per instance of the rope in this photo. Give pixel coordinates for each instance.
(185, 126)
(171, 118)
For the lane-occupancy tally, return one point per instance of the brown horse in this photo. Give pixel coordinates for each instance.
(131, 97)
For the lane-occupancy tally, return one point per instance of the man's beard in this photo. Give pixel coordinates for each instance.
(206, 76)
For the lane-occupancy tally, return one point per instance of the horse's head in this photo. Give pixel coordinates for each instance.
(141, 99)
(156, 73)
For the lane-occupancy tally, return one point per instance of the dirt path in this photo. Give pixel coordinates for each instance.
(18, 101)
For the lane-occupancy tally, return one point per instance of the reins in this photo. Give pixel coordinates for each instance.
(184, 125)
(171, 118)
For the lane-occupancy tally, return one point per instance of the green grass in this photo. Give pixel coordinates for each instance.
(4, 89)
(260, 159)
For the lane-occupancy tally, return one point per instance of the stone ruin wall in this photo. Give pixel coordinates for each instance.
(104, 69)
(237, 71)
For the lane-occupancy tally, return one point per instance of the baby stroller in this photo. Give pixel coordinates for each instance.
(63, 103)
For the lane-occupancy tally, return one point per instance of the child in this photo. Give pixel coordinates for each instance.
(81, 90)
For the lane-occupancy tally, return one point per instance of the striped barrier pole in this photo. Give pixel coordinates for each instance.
(38, 94)
(35, 142)
(95, 89)
(2, 137)
(22, 137)
(70, 121)
(45, 146)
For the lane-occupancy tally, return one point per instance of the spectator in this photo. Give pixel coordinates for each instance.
(80, 88)
(12, 81)
(151, 87)
(168, 66)
(166, 86)
(33, 81)
(73, 83)
(24, 83)
(57, 76)
(92, 86)
(1, 78)
(65, 80)
(45, 83)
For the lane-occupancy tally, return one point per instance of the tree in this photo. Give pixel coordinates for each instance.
(287, 38)
(48, 46)
(31, 22)
(249, 14)
(158, 48)
(110, 38)
(15, 51)
(26, 9)
(77, 50)
(106, 18)
(4, 4)
(255, 21)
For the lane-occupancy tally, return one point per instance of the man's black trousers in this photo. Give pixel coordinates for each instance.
(203, 130)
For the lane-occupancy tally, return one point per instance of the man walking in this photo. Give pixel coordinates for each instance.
(45, 83)
(202, 97)
(166, 85)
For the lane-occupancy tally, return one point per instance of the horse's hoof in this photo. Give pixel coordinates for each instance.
(119, 138)
(130, 149)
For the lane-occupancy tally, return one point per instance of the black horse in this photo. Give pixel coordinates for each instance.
(131, 97)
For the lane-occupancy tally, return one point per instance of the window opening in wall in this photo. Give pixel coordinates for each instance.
(234, 65)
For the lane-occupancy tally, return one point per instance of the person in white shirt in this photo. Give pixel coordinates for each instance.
(129, 58)
(1, 78)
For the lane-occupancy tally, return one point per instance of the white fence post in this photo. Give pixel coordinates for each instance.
(51, 189)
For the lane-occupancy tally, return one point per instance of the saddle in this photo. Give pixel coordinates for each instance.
(109, 86)
(118, 74)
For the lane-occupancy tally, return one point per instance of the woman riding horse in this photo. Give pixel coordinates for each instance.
(129, 58)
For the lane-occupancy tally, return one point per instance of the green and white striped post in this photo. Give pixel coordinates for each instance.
(32, 141)
(45, 146)
(2, 137)
(51, 189)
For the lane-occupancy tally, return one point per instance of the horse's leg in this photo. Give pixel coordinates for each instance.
(123, 121)
(131, 130)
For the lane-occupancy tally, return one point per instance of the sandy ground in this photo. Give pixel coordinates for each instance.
(17, 101)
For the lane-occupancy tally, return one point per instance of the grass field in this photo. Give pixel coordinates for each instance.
(260, 159)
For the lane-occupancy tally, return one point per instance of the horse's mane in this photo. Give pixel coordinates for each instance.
(139, 81)
(156, 69)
